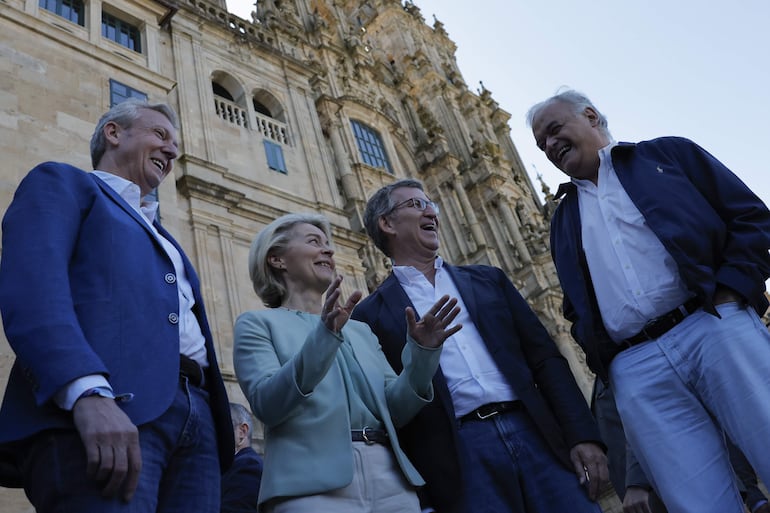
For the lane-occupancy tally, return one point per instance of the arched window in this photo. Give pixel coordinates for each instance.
(270, 117)
(261, 109)
(226, 89)
(221, 91)
(370, 146)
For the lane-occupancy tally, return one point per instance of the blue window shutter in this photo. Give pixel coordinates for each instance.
(274, 153)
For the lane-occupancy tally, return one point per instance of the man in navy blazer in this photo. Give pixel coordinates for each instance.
(240, 484)
(115, 401)
(509, 429)
(662, 254)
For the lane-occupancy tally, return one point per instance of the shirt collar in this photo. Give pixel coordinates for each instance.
(604, 154)
(130, 193)
(409, 274)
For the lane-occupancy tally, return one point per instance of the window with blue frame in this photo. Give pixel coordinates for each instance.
(120, 92)
(72, 10)
(121, 32)
(370, 146)
(275, 159)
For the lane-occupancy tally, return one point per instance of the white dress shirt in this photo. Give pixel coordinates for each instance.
(471, 373)
(191, 339)
(634, 276)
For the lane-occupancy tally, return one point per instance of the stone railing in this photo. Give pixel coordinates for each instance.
(230, 112)
(272, 129)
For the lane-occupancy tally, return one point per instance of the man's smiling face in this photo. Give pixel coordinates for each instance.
(413, 232)
(571, 140)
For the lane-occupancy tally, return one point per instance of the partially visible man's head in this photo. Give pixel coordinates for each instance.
(402, 221)
(571, 131)
(243, 426)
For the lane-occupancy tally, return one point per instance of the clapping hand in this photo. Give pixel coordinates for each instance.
(431, 330)
(333, 315)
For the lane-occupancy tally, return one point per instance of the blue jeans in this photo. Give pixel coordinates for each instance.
(180, 465)
(508, 467)
(677, 394)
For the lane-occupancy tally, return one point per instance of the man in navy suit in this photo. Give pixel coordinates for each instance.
(115, 402)
(240, 484)
(509, 429)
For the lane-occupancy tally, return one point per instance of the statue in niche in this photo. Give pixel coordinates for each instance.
(388, 109)
(353, 41)
(485, 149)
(451, 74)
(316, 22)
(428, 121)
(475, 148)
(343, 74)
(268, 14)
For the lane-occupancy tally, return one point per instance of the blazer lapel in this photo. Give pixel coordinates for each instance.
(464, 284)
(120, 202)
(395, 301)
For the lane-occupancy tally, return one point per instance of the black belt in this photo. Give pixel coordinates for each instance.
(192, 370)
(370, 436)
(490, 410)
(660, 325)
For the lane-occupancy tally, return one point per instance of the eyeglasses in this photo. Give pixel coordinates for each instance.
(418, 203)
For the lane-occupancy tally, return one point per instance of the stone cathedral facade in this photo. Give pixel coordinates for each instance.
(311, 105)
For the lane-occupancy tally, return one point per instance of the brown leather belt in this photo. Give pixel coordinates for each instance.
(660, 325)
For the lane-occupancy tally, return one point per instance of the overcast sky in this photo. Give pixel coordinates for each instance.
(660, 67)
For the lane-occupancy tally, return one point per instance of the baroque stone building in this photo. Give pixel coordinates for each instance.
(309, 106)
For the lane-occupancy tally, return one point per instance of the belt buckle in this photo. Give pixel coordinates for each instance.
(486, 416)
(367, 441)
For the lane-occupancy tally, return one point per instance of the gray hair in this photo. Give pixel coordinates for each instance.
(381, 204)
(241, 415)
(579, 103)
(268, 282)
(124, 114)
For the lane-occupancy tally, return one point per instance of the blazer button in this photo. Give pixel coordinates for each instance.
(173, 318)
(170, 278)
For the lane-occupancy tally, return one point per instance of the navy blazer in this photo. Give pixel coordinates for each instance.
(240, 484)
(86, 288)
(524, 353)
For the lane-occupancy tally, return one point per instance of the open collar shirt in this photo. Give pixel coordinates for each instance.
(471, 374)
(635, 278)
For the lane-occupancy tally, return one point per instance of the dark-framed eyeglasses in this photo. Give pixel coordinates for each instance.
(418, 203)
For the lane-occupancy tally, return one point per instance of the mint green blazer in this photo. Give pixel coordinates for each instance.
(308, 449)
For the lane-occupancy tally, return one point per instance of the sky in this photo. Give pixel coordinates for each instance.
(688, 68)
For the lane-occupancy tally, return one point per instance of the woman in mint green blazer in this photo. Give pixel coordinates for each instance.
(319, 382)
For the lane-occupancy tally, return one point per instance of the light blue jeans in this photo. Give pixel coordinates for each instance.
(677, 394)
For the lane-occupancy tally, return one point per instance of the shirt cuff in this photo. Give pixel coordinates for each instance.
(69, 393)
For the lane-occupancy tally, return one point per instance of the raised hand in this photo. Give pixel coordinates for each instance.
(431, 330)
(333, 315)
